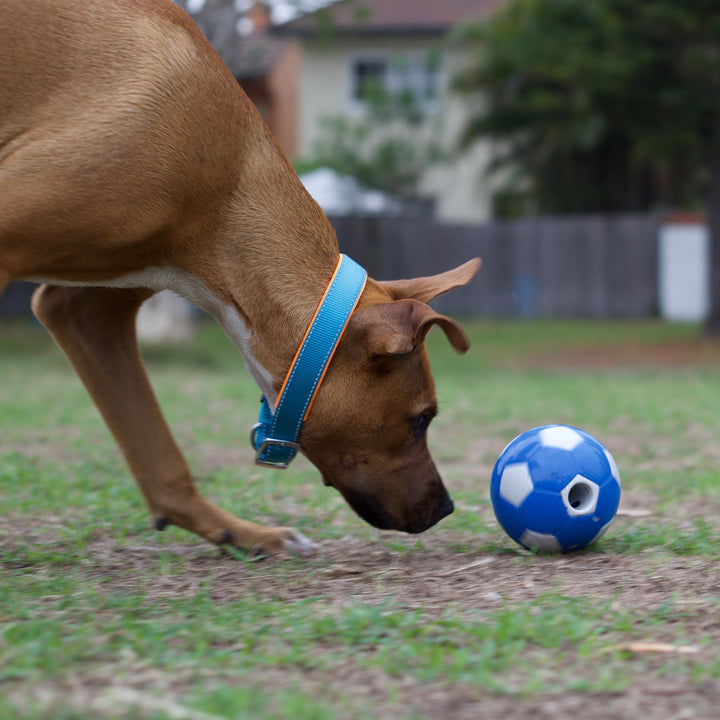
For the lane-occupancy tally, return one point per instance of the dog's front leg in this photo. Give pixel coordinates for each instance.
(95, 327)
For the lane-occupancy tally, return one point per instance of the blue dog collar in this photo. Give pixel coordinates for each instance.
(275, 436)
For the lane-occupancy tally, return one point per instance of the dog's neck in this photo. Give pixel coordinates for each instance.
(276, 252)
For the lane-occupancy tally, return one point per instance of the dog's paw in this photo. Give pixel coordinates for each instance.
(282, 542)
(295, 543)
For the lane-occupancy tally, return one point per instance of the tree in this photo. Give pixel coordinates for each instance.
(607, 105)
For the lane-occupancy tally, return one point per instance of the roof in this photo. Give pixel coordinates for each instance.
(382, 17)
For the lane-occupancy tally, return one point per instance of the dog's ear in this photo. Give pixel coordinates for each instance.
(427, 288)
(400, 327)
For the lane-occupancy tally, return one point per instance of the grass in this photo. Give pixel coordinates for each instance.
(101, 617)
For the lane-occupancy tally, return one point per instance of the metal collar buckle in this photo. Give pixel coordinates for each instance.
(272, 442)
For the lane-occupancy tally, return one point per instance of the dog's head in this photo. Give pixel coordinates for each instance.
(367, 429)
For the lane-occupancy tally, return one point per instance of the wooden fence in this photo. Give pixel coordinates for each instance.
(594, 267)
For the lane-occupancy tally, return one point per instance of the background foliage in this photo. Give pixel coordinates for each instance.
(608, 105)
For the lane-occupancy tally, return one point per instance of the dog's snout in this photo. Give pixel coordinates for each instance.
(415, 518)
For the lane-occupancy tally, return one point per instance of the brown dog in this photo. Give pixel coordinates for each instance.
(131, 161)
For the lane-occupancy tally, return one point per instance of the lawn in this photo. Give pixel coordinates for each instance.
(102, 617)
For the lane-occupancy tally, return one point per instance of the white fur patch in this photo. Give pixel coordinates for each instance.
(194, 290)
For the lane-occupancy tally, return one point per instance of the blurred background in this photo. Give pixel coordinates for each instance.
(574, 145)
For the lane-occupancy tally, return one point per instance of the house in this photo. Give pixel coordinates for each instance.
(400, 44)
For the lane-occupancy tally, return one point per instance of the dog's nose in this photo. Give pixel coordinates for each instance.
(446, 507)
(428, 514)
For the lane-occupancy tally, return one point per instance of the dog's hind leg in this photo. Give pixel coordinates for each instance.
(95, 327)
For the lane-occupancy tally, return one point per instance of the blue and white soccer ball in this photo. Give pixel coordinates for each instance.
(555, 488)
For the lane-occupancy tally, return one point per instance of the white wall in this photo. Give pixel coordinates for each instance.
(684, 276)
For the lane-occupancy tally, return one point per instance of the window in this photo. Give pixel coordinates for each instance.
(412, 75)
(367, 74)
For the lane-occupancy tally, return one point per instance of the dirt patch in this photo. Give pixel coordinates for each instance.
(654, 700)
(431, 578)
(424, 579)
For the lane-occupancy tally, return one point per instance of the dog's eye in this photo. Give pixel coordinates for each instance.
(420, 424)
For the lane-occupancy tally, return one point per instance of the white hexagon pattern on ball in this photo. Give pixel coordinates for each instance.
(560, 436)
(516, 483)
(540, 541)
(601, 532)
(613, 466)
